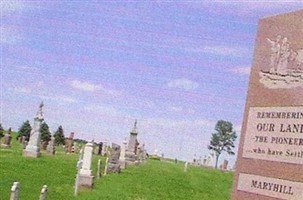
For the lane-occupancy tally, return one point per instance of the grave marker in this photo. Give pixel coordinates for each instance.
(43, 193)
(15, 191)
(99, 168)
(33, 147)
(270, 159)
(85, 173)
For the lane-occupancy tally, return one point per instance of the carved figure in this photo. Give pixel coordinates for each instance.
(275, 52)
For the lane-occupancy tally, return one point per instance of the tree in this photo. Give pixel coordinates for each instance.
(25, 130)
(223, 139)
(45, 133)
(59, 136)
(1, 131)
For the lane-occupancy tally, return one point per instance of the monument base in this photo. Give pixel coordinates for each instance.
(32, 154)
(5, 146)
(122, 164)
(85, 181)
(130, 158)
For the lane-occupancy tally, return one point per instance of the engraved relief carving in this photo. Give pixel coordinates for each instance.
(286, 65)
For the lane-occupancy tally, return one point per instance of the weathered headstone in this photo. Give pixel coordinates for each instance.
(130, 155)
(122, 155)
(50, 149)
(185, 166)
(33, 147)
(24, 142)
(15, 191)
(270, 159)
(113, 163)
(105, 168)
(85, 173)
(225, 164)
(104, 149)
(69, 142)
(43, 193)
(7, 139)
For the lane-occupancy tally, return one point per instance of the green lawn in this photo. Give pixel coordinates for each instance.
(149, 181)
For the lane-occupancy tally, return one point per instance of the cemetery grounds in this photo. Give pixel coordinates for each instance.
(152, 180)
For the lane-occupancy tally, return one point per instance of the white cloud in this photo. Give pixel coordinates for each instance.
(179, 109)
(29, 91)
(241, 70)
(11, 6)
(91, 87)
(183, 83)
(102, 109)
(178, 124)
(225, 50)
(175, 108)
(66, 99)
(85, 86)
(22, 90)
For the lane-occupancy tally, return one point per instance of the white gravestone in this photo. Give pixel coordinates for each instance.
(85, 173)
(185, 167)
(33, 147)
(15, 191)
(99, 169)
(43, 193)
(122, 155)
(105, 168)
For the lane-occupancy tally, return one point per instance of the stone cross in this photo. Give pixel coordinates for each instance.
(99, 168)
(105, 168)
(43, 193)
(15, 191)
(185, 166)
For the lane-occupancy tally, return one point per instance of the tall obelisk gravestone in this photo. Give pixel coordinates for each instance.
(33, 147)
(130, 155)
(270, 158)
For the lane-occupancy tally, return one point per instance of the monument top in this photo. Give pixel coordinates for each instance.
(135, 130)
(39, 114)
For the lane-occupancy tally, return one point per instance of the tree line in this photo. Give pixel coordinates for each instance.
(25, 130)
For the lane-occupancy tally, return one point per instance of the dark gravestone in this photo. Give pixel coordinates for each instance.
(100, 148)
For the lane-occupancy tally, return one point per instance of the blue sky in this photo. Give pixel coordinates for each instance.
(176, 66)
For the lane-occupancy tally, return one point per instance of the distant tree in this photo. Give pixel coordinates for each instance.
(1, 131)
(223, 139)
(45, 133)
(25, 130)
(59, 136)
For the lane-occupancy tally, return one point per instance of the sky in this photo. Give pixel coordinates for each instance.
(176, 66)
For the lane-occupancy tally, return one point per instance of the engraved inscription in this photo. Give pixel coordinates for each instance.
(275, 134)
(271, 187)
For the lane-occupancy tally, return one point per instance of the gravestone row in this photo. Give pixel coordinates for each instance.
(15, 189)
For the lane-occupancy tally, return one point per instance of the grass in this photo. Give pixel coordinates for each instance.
(150, 181)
